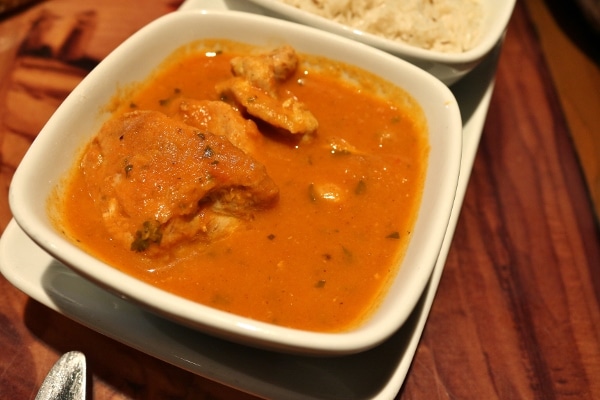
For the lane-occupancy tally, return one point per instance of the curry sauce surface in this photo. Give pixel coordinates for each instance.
(323, 256)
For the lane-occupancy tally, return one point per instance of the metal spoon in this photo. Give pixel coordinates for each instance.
(66, 379)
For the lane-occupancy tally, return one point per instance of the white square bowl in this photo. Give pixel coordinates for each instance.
(80, 116)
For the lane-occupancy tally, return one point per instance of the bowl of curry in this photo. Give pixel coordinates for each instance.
(251, 178)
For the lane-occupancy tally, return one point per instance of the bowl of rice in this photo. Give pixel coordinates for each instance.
(446, 38)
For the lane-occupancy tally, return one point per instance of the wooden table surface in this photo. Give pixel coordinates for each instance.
(517, 313)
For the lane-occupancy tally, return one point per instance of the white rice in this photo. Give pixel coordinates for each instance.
(451, 26)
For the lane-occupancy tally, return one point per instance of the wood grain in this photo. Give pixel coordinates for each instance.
(571, 49)
(517, 314)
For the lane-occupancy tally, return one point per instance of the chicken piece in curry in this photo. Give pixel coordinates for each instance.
(254, 87)
(165, 181)
(219, 118)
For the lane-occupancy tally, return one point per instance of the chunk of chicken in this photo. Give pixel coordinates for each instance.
(255, 88)
(219, 118)
(337, 145)
(159, 182)
(265, 70)
(289, 114)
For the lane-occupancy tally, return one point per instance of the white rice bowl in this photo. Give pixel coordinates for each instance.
(423, 33)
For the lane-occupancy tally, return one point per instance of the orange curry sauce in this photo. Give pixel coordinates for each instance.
(320, 259)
